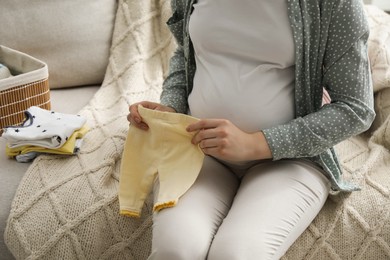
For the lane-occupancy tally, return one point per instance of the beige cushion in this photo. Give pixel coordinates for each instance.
(73, 37)
(379, 54)
(379, 47)
(382, 108)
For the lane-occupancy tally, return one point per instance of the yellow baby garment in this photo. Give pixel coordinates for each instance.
(165, 149)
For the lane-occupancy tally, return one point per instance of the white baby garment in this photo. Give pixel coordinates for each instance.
(43, 128)
(4, 72)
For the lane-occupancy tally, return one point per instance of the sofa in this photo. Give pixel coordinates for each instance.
(104, 55)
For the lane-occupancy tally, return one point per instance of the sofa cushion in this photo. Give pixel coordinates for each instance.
(379, 47)
(382, 108)
(73, 37)
(379, 54)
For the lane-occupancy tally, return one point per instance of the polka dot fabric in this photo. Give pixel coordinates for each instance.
(331, 52)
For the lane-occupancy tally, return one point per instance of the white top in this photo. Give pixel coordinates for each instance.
(245, 58)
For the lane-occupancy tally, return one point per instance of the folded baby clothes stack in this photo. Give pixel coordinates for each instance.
(45, 131)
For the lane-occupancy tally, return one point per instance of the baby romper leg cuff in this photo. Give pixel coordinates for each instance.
(162, 205)
(129, 213)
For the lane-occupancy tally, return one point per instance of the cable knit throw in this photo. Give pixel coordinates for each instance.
(67, 207)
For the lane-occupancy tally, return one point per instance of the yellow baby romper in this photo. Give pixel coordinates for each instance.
(164, 149)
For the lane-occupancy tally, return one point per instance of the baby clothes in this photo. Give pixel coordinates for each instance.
(71, 146)
(4, 72)
(165, 149)
(43, 128)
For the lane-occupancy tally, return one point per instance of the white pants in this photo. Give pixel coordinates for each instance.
(247, 211)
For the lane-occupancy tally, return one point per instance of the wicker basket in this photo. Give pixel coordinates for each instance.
(27, 87)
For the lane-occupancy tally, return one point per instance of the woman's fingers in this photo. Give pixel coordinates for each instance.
(134, 109)
(205, 124)
(204, 134)
(135, 118)
(207, 129)
(141, 125)
(208, 143)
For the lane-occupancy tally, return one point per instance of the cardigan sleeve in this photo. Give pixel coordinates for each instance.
(347, 79)
(174, 87)
(174, 92)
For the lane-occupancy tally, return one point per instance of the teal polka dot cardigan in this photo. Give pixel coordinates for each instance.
(331, 52)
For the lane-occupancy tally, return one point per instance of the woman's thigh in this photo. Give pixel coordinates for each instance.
(274, 204)
(186, 230)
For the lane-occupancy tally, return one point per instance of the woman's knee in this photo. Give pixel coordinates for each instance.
(235, 247)
(178, 236)
(178, 245)
(176, 253)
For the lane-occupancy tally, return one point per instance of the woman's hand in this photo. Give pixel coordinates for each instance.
(222, 139)
(135, 118)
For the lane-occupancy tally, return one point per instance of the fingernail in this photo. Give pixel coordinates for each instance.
(137, 119)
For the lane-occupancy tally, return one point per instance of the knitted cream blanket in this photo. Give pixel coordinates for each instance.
(67, 207)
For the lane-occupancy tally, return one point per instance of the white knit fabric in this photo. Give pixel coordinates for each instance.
(67, 208)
